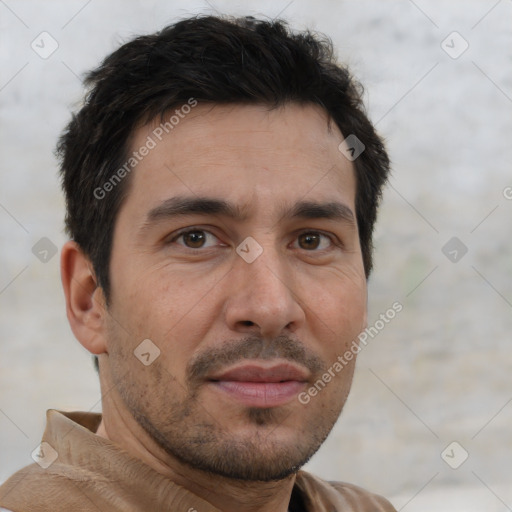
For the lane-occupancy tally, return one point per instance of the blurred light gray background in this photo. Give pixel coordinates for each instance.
(438, 78)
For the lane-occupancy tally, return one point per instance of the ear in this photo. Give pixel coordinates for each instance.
(85, 301)
(365, 321)
(365, 315)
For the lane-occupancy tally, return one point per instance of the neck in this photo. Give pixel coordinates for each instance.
(226, 494)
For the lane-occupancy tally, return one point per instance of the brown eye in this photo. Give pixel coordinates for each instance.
(309, 241)
(194, 239)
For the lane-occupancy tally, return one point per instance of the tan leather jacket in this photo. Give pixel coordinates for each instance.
(87, 473)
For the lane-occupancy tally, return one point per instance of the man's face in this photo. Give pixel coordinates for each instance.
(240, 335)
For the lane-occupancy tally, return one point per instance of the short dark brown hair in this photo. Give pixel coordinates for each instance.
(212, 59)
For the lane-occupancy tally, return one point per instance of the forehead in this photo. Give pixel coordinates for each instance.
(253, 156)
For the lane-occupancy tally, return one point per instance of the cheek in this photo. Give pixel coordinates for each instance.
(157, 298)
(337, 309)
(173, 311)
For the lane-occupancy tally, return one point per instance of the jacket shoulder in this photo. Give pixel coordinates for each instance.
(339, 495)
(39, 490)
(365, 500)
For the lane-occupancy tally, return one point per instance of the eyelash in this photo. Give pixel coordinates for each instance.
(334, 242)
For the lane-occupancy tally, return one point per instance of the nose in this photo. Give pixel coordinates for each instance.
(263, 298)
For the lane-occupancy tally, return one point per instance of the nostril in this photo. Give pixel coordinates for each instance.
(247, 323)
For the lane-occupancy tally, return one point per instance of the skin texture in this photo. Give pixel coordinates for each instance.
(301, 302)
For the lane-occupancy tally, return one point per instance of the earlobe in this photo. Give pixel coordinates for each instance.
(85, 302)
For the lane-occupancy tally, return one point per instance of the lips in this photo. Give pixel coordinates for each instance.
(258, 385)
(257, 373)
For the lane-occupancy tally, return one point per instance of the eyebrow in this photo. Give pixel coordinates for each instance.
(182, 206)
(312, 210)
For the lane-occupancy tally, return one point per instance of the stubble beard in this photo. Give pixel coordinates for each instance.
(255, 455)
(269, 445)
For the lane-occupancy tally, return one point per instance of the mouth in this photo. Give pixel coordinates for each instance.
(261, 385)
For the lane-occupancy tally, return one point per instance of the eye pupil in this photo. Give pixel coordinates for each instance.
(309, 241)
(194, 239)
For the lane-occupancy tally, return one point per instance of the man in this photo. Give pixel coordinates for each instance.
(222, 183)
